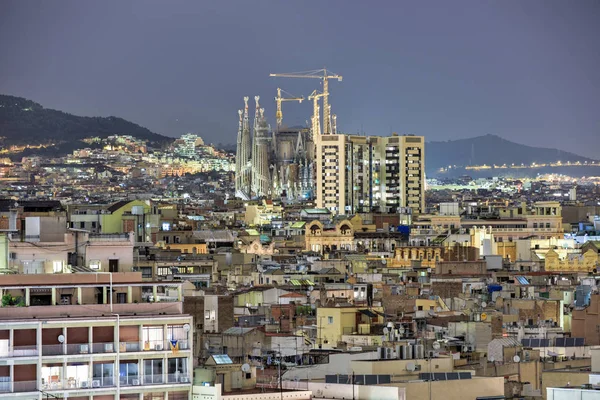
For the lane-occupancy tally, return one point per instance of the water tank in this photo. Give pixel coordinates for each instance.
(405, 351)
(409, 355)
(419, 351)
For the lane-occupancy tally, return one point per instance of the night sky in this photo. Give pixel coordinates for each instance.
(528, 71)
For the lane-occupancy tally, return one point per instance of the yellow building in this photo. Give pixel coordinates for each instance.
(322, 238)
(263, 213)
(333, 322)
(427, 255)
(586, 262)
(185, 248)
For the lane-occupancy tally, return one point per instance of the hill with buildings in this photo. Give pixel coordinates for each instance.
(23, 121)
(490, 150)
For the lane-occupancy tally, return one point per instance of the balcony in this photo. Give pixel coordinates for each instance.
(22, 351)
(8, 386)
(159, 379)
(174, 307)
(108, 237)
(160, 345)
(72, 383)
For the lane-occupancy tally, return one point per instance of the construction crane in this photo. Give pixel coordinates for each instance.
(324, 75)
(315, 96)
(279, 99)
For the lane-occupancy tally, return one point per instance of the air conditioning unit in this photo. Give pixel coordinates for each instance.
(83, 384)
(84, 349)
(184, 379)
(158, 347)
(95, 383)
(135, 382)
(389, 353)
(108, 347)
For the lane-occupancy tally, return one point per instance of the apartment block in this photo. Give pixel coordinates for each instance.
(370, 173)
(93, 336)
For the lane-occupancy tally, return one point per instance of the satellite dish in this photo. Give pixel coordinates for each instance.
(390, 324)
(411, 367)
(483, 304)
(187, 327)
(206, 346)
(246, 368)
(491, 359)
(516, 359)
(401, 330)
(436, 345)
(310, 288)
(483, 316)
(386, 331)
(61, 338)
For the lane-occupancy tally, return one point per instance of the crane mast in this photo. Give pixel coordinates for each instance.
(316, 127)
(323, 75)
(278, 100)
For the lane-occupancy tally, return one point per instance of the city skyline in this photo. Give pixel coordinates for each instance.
(523, 71)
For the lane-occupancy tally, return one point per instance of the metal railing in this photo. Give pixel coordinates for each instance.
(53, 350)
(107, 347)
(161, 345)
(159, 379)
(24, 351)
(72, 383)
(25, 386)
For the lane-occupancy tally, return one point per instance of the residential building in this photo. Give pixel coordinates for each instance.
(370, 173)
(90, 336)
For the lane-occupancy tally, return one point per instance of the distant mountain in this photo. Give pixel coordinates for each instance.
(23, 121)
(490, 149)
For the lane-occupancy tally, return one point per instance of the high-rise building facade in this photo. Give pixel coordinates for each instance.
(370, 173)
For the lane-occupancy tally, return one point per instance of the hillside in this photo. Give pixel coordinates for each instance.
(23, 121)
(490, 149)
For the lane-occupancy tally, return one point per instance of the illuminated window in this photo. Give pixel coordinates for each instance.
(95, 264)
(57, 266)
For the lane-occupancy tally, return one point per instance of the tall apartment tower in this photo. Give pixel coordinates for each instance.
(370, 173)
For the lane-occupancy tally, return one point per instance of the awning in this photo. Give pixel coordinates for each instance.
(384, 315)
(301, 282)
(368, 313)
(40, 291)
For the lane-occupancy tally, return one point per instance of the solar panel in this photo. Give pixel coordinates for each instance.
(464, 375)
(426, 376)
(439, 376)
(359, 379)
(385, 379)
(579, 341)
(535, 343)
(331, 379)
(526, 342)
(560, 342)
(452, 376)
(222, 359)
(570, 342)
(371, 379)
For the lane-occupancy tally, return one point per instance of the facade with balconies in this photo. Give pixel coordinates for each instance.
(86, 345)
